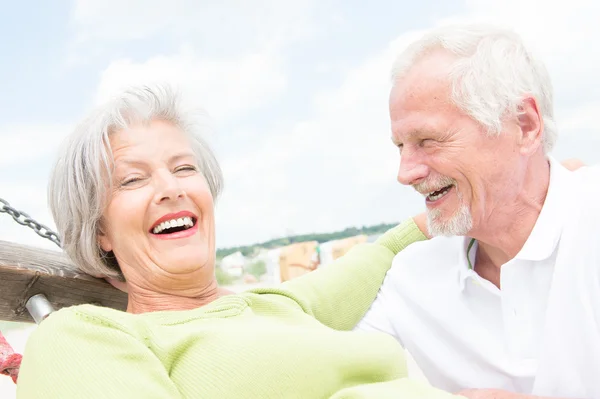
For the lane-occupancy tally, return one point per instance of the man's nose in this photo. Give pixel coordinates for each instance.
(411, 170)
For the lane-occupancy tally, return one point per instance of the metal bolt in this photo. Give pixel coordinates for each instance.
(39, 307)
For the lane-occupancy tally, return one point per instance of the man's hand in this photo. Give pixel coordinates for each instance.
(489, 394)
(573, 163)
(421, 222)
(495, 394)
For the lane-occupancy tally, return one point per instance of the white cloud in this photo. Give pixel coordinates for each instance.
(583, 118)
(28, 197)
(26, 156)
(135, 19)
(23, 144)
(224, 87)
(224, 27)
(332, 170)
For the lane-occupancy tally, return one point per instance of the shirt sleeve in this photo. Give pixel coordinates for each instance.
(340, 294)
(376, 319)
(72, 355)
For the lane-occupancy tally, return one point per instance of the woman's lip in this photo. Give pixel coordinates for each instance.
(179, 234)
(170, 216)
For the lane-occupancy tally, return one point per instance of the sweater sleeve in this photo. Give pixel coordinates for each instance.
(339, 294)
(72, 355)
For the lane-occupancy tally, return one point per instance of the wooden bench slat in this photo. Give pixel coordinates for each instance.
(26, 271)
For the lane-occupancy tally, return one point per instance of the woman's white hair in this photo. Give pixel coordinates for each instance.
(492, 72)
(81, 180)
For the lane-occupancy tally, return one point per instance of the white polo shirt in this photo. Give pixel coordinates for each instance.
(539, 334)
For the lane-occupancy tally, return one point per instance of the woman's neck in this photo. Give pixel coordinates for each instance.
(141, 300)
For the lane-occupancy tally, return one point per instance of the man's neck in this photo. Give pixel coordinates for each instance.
(505, 231)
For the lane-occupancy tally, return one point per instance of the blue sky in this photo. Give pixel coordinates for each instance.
(296, 91)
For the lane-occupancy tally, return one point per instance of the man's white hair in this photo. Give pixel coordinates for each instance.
(80, 182)
(492, 72)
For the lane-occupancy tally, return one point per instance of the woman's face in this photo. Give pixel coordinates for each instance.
(159, 221)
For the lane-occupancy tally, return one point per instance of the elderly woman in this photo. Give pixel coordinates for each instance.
(133, 197)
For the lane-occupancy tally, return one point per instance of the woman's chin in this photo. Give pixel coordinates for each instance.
(186, 261)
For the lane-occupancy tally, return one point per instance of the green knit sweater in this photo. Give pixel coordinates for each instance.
(287, 342)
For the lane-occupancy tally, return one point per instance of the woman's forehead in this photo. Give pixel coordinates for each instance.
(156, 140)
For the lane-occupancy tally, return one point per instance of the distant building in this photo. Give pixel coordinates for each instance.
(271, 259)
(297, 259)
(331, 250)
(234, 264)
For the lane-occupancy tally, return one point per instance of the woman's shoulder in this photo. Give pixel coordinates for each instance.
(82, 319)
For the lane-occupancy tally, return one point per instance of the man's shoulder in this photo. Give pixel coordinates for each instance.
(435, 248)
(585, 190)
(586, 178)
(426, 266)
(436, 253)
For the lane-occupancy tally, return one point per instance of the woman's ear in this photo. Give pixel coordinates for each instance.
(103, 239)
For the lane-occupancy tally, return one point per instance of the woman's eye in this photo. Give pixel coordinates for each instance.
(130, 181)
(189, 168)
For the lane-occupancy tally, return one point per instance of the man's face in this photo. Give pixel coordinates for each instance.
(446, 155)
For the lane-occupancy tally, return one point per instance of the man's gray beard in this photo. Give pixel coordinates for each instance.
(459, 224)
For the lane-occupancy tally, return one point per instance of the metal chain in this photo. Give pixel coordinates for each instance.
(25, 220)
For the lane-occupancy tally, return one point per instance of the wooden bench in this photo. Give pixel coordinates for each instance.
(26, 271)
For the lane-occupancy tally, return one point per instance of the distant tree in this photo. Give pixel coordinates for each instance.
(319, 237)
(223, 278)
(257, 268)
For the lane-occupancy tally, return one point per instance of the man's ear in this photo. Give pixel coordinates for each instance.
(531, 126)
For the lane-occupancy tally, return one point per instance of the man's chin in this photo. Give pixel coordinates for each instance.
(458, 224)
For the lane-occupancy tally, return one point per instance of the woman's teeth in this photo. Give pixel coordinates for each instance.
(436, 195)
(186, 222)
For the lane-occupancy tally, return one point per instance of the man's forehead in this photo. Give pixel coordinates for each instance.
(420, 120)
(407, 132)
(430, 73)
(419, 102)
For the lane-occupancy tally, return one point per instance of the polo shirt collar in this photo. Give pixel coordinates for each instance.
(546, 232)
(547, 229)
(466, 260)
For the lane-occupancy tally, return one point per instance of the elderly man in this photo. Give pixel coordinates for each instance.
(507, 293)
